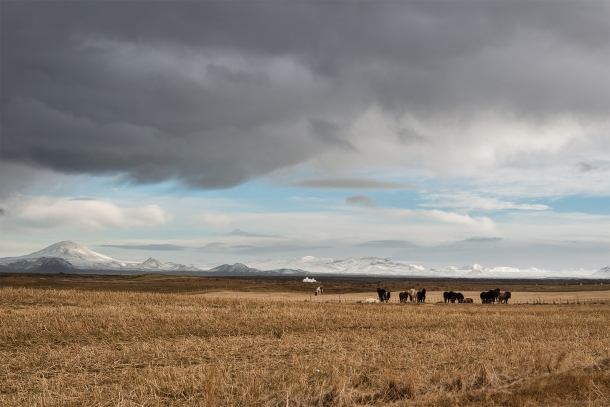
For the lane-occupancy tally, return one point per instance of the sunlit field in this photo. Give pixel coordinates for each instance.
(69, 347)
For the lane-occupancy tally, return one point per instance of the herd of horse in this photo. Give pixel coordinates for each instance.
(491, 296)
(487, 297)
(412, 295)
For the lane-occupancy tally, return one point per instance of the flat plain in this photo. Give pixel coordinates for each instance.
(171, 341)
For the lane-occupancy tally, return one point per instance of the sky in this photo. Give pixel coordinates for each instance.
(436, 133)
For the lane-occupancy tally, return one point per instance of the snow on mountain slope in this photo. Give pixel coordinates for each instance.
(156, 265)
(78, 255)
(41, 264)
(386, 267)
(602, 273)
(152, 264)
(349, 266)
(71, 250)
(231, 268)
(83, 258)
(478, 271)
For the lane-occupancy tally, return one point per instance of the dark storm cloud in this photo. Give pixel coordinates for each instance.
(215, 93)
(329, 133)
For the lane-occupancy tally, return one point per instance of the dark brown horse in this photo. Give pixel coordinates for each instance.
(504, 297)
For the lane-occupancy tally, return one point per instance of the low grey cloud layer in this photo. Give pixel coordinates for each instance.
(219, 247)
(153, 247)
(213, 94)
(361, 200)
(351, 183)
(483, 239)
(239, 232)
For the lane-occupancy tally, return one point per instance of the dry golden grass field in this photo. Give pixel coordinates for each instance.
(95, 347)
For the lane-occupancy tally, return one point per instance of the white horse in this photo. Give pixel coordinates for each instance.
(319, 291)
(412, 294)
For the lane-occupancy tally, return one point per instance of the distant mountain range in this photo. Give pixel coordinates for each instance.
(69, 256)
(387, 267)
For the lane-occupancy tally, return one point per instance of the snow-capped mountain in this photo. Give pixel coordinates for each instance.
(349, 266)
(478, 271)
(69, 255)
(232, 269)
(152, 264)
(602, 273)
(386, 267)
(42, 264)
(240, 269)
(78, 255)
(72, 255)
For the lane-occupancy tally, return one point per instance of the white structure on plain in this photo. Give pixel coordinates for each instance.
(309, 280)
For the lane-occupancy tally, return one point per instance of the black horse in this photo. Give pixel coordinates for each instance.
(384, 296)
(489, 297)
(453, 297)
(421, 295)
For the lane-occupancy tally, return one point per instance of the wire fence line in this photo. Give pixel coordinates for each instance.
(331, 298)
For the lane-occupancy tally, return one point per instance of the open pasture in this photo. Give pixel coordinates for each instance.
(432, 297)
(74, 348)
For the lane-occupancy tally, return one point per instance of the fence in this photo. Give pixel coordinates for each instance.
(438, 300)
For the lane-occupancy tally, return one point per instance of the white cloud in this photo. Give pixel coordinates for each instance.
(488, 153)
(347, 224)
(469, 201)
(43, 213)
(550, 226)
(215, 219)
(481, 223)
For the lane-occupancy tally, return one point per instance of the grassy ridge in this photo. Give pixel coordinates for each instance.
(73, 347)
